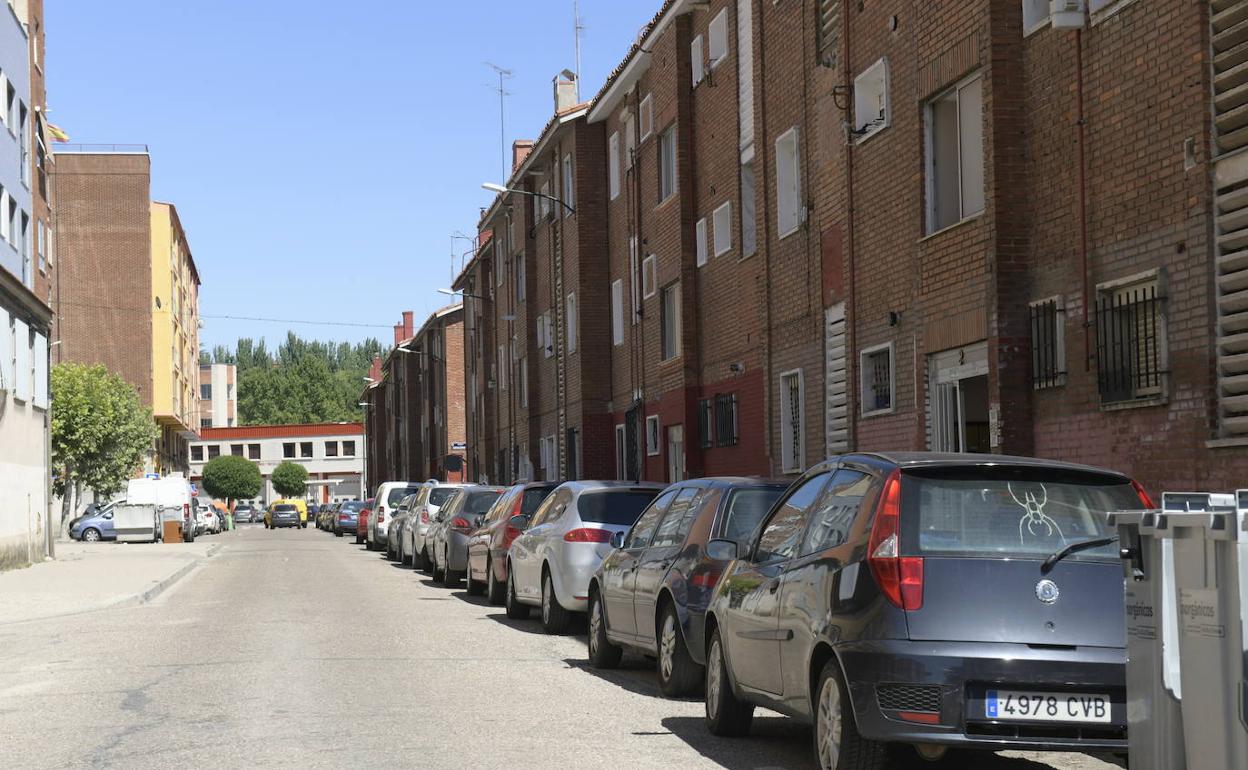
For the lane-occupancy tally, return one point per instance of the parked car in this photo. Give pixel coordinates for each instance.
(346, 518)
(389, 495)
(283, 515)
(436, 495)
(551, 562)
(489, 543)
(939, 600)
(362, 522)
(94, 526)
(301, 507)
(243, 513)
(453, 526)
(394, 528)
(651, 593)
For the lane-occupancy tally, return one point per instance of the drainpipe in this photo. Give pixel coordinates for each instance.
(761, 153)
(1081, 123)
(851, 298)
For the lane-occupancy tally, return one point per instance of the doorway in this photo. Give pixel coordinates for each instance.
(958, 400)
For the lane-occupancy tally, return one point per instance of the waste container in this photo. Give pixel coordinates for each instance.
(172, 532)
(1154, 689)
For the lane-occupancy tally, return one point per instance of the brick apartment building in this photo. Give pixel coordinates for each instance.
(415, 404)
(801, 228)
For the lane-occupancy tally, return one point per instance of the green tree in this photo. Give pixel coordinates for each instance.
(100, 432)
(290, 479)
(230, 478)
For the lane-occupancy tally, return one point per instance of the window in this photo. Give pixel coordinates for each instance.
(214, 451)
(236, 450)
(503, 366)
(549, 343)
(649, 276)
(205, 423)
(702, 248)
(1036, 14)
(667, 164)
(955, 157)
(571, 319)
(621, 453)
(871, 111)
(792, 422)
(831, 523)
(745, 73)
(305, 449)
(877, 379)
(205, 392)
(617, 312)
(630, 140)
(783, 532)
(641, 533)
(675, 453)
(544, 203)
(523, 380)
(652, 435)
(670, 321)
(348, 449)
(723, 229)
(678, 521)
(726, 419)
(197, 454)
(695, 60)
(1048, 343)
(520, 277)
(498, 259)
(647, 117)
(253, 451)
(613, 166)
(331, 448)
(749, 227)
(569, 192)
(1130, 341)
(717, 38)
(39, 347)
(5, 234)
(540, 332)
(788, 184)
(633, 278)
(41, 245)
(706, 418)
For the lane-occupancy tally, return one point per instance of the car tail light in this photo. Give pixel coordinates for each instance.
(1145, 500)
(381, 513)
(461, 525)
(424, 515)
(899, 577)
(705, 578)
(586, 535)
(186, 511)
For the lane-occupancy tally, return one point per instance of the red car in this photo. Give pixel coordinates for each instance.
(361, 521)
(488, 544)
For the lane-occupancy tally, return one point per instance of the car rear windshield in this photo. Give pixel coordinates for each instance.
(479, 502)
(620, 507)
(440, 495)
(533, 498)
(1011, 512)
(352, 506)
(398, 493)
(285, 508)
(746, 508)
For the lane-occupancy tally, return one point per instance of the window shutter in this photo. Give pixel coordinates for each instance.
(718, 34)
(647, 116)
(971, 141)
(701, 242)
(745, 71)
(695, 59)
(572, 322)
(22, 363)
(617, 312)
(6, 352)
(836, 393)
(41, 371)
(723, 229)
(788, 184)
(613, 166)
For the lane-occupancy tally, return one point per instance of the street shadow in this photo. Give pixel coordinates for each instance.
(774, 742)
(479, 600)
(530, 625)
(635, 674)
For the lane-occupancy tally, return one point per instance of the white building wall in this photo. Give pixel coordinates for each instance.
(345, 469)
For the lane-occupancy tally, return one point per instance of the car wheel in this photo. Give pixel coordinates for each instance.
(450, 577)
(515, 610)
(838, 745)
(337, 533)
(678, 673)
(494, 591)
(437, 573)
(726, 714)
(474, 586)
(90, 535)
(555, 619)
(420, 561)
(602, 653)
(358, 540)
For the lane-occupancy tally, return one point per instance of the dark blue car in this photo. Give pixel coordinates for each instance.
(651, 593)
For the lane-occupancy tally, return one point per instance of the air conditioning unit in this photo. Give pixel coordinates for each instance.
(1068, 14)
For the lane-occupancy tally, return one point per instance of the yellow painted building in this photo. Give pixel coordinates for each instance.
(175, 338)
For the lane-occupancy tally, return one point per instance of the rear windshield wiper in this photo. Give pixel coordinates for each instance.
(1083, 545)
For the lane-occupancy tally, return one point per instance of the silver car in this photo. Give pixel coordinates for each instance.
(550, 564)
(426, 507)
(448, 535)
(394, 528)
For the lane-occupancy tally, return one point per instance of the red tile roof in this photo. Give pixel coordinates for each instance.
(282, 431)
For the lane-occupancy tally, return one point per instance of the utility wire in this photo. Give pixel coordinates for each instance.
(295, 321)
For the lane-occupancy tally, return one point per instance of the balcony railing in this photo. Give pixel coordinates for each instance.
(103, 149)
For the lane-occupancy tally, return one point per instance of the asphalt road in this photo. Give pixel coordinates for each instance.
(296, 648)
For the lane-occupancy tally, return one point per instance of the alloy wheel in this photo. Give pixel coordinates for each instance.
(595, 626)
(714, 678)
(91, 536)
(828, 724)
(667, 647)
(546, 600)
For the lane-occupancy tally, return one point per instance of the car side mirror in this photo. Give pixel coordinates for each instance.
(722, 550)
(617, 540)
(108, 515)
(519, 521)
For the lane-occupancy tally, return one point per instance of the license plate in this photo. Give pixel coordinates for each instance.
(1007, 705)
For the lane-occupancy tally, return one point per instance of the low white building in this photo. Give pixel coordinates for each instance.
(332, 453)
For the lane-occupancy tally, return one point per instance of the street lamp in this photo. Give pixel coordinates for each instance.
(453, 293)
(498, 188)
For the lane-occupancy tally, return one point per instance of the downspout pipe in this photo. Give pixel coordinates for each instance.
(1081, 127)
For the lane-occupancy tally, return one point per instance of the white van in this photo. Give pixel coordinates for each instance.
(389, 495)
(171, 495)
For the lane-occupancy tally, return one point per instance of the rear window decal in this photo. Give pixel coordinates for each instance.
(1035, 523)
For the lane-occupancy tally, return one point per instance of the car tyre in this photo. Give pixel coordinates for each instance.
(726, 714)
(838, 744)
(90, 535)
(358, 540)
(474, 587)
(437, 574)
(495, 591)
(515, 610)
(678, 673)
(450, 577)
(555, 619)
(602, 653)
(337, 533)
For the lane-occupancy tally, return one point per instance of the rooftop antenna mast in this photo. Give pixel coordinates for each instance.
(577, 29)
(503, 93)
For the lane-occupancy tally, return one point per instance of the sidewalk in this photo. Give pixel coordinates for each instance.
(93, 576)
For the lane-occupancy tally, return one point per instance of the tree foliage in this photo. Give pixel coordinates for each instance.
(301, 382)
(290, 479)
(100, 429)
(230, 477)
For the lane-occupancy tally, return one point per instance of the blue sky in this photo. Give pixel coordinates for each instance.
(321, 160)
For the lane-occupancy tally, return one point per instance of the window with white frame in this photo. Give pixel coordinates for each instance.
(633, 278)
(548, 343)
(5, 235)
(670, 321)
(647, 117)
(6, 351)
(613, 166)
(1035, 15)
(955, 157)
(696, 61)
(667, 164)
(569, 191)
(792, 422)
(876, 372)
(544, 203)
(717, 38)
(1132, 352)
(749, 225)
(539, 331)
(621, 452)
(653, 431)
(723, 228)
(617, 312)
(649, 276)
(788, 183)
(871, 108)
(701, 242)
(572, 323)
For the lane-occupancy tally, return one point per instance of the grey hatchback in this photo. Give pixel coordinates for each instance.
(942, 601)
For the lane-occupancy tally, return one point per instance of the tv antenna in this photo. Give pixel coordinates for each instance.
(503, 93)
(577, 29)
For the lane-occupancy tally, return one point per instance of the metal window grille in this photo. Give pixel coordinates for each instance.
(704, 423)
(791, 392)
(726, 419)
(632, 427)
(880, 380)
(1128, 344)
(573, 449)
(1048, 369)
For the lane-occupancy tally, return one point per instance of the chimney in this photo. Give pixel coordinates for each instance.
(567, 93)
(374, 371)
(398, 334)
(520, 150)
(407, 324)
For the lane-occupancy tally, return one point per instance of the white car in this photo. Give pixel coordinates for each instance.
(389, 495)
(424, 509)
(550, 564)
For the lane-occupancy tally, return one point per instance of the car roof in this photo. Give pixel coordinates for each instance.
(578, 487)
(952, 459)
(733, 481)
